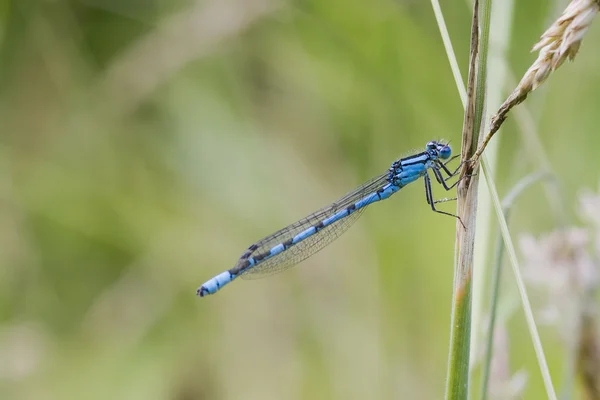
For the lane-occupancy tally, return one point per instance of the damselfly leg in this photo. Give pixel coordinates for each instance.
(429, 194)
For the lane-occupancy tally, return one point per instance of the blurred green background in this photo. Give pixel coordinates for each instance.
(146, 143)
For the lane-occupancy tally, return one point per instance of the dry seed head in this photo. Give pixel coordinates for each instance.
(560, 42)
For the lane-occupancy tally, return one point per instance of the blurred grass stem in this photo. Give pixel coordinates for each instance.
(535, 337)
(439, 17)
(179, 40)
(508, 202)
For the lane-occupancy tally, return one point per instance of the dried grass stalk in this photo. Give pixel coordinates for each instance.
(457, 380)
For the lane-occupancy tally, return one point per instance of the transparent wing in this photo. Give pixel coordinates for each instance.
(314, 243)
(302, 250)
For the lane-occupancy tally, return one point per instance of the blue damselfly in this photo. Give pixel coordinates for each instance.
(300, 240)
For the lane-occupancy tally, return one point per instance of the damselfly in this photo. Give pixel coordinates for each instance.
(304, 238)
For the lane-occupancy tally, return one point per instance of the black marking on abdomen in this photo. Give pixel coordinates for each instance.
(318, 226)
(239, 268)
(259, 257)
(288, 243)
(249, 252)
(246, 255)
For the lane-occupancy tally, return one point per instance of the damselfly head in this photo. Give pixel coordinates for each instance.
(443, 150)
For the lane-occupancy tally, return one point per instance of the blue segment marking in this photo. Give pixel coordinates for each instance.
(300, 240)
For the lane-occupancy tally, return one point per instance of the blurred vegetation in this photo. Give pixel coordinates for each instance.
(145, 144)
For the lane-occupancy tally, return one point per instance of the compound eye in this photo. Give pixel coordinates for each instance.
(431, 145)
(445, 152)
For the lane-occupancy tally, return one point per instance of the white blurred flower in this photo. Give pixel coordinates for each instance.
(560, 266)
(563, 264)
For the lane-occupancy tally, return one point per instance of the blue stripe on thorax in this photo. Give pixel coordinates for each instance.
(417, 158)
